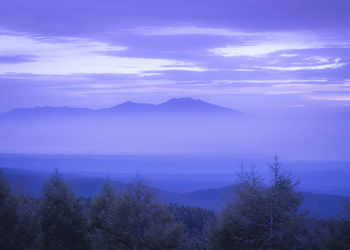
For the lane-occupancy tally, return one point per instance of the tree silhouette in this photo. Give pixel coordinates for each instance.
(8, 216)
(136, 221)
(261, 216)
(63, 223)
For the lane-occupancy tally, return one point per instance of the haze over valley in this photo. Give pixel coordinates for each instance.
(188, 124)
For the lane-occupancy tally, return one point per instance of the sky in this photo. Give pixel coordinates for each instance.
(251, 55)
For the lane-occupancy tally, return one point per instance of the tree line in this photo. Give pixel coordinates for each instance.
(256, 215)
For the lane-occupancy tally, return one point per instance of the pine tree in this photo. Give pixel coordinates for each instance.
(196, 222)
(137, 221)
(28, 229)
(340, 231)
(260, 216)
(8, 215)
(63, 222)
(282, 210)
(344, 227)
(101, 211)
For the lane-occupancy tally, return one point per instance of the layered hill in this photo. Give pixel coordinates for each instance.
(318, 205)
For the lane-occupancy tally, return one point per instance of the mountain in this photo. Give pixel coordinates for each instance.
(42, 112)
(129, 108)
(190, 105)
(318, 205)
(175, 106)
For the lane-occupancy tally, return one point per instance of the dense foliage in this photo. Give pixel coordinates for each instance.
(256, 216)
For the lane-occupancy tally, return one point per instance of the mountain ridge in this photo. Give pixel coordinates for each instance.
(318, 205)
(178, 106)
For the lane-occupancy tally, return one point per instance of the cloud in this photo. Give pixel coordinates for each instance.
(334, 65)
(288, 55)
(10, 59)
(188, 30)
(259, 49)
(273, 81)
(66, 56)
(265, 43)
(328, 97)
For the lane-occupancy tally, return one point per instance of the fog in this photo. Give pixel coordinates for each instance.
(294, 138)
(185, 148)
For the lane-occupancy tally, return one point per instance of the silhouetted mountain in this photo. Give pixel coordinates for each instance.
(190, 105)
(46, 112)
(175, 106)
(129, 108)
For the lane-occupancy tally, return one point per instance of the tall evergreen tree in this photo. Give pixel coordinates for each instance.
(196, 222)
(344, 227)
(28, 229)
(260, 216)
(340, 231)
(137, 221)
(282, 205)
(8, 215)
(63, 222)
(101, 211)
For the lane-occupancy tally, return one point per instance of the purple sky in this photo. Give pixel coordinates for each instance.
(252, 55)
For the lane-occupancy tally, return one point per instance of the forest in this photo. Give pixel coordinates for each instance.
(259, 214)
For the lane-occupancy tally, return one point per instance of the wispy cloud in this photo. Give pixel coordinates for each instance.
(188, 30)
(66, 56)
(330, 97)
(288, 55)
(273, 81)
(265, 43)
(334, 65)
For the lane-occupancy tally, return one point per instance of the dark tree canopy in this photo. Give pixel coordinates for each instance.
(8, 216)
(257, 215)
(261, 216)
(63, 223)
(135, 220)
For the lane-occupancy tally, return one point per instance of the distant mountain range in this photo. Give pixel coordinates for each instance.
(175, 106)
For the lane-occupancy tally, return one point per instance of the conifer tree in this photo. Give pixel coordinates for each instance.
(340, 231)
(137, 221)
(262, 216)
(101, 211)
(27, 231)
(8, 216)
(63, 222)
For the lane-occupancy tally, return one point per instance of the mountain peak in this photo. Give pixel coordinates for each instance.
(178, 106)
(131, 107)
(182, 99)
(191, 105)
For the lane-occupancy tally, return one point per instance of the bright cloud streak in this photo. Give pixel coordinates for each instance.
(288, 55)
(265, 43)
(262, 48)
(67, 56)
(272, 81)
(327, 97)
(188, 30)
(336, 64)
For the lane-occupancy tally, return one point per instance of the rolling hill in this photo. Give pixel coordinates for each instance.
(318, 205)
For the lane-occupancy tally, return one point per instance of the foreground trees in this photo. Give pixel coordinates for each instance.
(8, 215)
(260, 216)
(197, 223)
(133, 220)
(340, 231)
(19, 219)
(64, 224)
